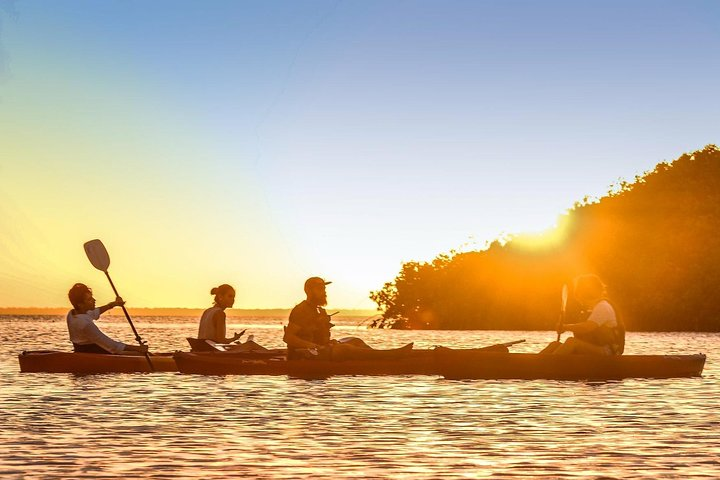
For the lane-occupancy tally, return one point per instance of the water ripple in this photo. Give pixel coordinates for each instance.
(168, 425)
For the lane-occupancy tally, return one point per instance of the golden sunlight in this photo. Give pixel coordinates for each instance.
(545, 239)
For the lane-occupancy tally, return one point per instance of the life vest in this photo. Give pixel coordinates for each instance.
(313, 323)
(603, 336)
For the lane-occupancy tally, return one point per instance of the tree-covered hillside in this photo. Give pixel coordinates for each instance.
(655, 242)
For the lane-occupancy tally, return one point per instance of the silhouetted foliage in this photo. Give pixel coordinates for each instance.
(655, 242)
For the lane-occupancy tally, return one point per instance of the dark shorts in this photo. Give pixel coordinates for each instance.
(90, 348)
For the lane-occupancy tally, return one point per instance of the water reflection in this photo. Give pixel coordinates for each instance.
(167, 425)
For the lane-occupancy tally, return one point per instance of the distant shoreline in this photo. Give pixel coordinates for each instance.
(182, 312)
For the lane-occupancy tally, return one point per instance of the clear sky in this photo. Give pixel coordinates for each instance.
(258, 143)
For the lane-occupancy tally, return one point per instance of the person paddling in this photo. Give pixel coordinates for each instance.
(601, 333)
(307, 334)
(212, 323)
(85, 336)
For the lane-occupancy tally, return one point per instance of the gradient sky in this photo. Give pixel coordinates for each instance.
(258, 143)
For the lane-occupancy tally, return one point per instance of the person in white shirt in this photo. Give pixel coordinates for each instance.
(601, 333)
(85, 336)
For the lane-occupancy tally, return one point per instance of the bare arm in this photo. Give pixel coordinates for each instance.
(582, 327)
(220, 328)
(119, 302)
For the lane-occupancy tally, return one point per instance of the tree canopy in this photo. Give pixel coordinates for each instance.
(655, 242)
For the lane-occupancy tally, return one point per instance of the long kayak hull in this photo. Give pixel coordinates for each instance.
(421, 363)
(48, 361)
(455, 364)
(452, 364)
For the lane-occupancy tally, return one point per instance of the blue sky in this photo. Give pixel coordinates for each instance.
(258, 143)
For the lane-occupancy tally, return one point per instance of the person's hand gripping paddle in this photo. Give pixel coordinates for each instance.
(98, 256)
(563, 305)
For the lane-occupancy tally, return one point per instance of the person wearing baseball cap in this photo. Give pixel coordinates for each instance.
(307, 334)
(313, 283)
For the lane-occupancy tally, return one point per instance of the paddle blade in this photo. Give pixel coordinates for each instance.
(97, 254)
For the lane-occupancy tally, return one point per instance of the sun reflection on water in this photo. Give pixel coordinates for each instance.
(167, 425)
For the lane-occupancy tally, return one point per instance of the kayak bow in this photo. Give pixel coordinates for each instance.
(49, 361)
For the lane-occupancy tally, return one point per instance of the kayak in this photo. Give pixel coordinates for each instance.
(50, 361)
(420, 362)
(254, 362)
(453, 364)
(441, 361)
(469, 364)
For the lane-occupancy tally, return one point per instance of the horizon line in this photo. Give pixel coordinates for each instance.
(180, 311)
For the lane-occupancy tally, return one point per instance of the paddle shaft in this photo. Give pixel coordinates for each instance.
(563, 306)
(127, 316)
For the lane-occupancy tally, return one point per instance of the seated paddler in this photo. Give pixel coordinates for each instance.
(212, 323)
(600, 331)
(85, 336)
(307, 334)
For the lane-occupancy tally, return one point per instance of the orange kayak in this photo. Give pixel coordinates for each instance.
(452, 364)
(455, 364)
(50, 361)
(459, 364)
(421, 362)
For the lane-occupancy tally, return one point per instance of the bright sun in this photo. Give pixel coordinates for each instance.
(548, 238)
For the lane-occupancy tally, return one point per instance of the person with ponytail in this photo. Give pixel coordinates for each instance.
(212, 322)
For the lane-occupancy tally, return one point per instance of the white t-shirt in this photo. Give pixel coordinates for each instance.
(603, 314)
(83, 331)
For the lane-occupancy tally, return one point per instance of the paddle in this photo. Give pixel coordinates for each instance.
(563, 305)
(98, 256)
(497, 347)
(501, 347)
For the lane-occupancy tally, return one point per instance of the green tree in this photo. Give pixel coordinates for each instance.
(654, 242)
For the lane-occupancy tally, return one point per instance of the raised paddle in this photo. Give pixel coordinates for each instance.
(98, 256)
(563, 305)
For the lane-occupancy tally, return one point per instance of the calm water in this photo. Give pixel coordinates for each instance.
(172, 425)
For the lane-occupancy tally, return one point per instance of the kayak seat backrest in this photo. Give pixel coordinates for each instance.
(200, 345)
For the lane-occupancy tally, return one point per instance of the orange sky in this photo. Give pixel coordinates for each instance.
(258, 145)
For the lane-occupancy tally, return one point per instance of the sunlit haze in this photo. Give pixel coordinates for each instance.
(260, 143)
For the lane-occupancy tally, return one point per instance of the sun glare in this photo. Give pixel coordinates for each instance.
(548, 238)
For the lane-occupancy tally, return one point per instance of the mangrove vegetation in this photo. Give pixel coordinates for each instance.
(654, 241)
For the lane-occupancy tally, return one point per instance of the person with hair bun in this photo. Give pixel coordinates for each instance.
(212, 322)
(601, 332)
